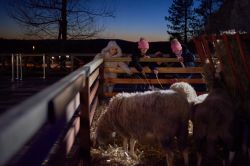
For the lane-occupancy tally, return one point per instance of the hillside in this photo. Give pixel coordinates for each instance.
(72, 46)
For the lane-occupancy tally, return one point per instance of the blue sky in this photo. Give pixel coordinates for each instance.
(133, 19)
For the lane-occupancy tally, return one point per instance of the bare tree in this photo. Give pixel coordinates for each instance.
(62, 19)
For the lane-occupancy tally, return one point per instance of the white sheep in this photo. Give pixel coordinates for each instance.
(145, 116)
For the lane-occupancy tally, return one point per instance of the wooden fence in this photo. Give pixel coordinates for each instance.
(152, 81)
(43, 129)
(235, 48)
(53, 126)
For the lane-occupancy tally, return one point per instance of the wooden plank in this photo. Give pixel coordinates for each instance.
(71, 108)
(63, 146)
(111, 94)
(93, 77)
(152, 81)
(93, 109)
(84, 133)
(229, 55)
(128, 59)
(70, 136)
(199, 49)
(59, 103)
(160, 69)
(243, 56)
(207, 51)
(93, 93)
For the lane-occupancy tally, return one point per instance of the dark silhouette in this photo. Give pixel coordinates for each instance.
(62, 19)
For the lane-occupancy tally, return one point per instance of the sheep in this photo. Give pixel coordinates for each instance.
(213, 121)
(246, 113)
(147, 116)
(211, 115)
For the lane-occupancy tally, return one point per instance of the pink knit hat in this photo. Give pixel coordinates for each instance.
(176, 46)
(143, 44)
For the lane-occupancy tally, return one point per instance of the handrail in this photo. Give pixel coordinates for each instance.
(152, 59)
(160, 69)
(128, 59)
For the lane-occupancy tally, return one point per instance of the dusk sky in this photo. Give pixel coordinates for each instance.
(133, 19)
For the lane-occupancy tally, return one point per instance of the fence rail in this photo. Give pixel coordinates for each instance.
(160, 79)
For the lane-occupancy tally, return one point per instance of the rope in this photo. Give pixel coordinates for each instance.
(182, 64)
(158, 81)
(145, 77)
(145, 83)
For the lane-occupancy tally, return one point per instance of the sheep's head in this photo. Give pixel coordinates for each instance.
(185, 89)
(104, 133)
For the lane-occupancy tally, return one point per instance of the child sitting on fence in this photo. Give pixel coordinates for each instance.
(184, 56)
(141, 52)
(112, 50)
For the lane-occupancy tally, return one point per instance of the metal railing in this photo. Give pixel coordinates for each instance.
(17, 61)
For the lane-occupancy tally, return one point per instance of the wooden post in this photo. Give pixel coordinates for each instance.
(17, 67)
(44, 67)
(207, 51)
(243, 57)
(72, 62)
(231, 62)
(85, 156)
(101, 89)
(199, 50)
(12, 68)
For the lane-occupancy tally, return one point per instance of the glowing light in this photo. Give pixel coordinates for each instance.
(33, 48)
(67, 56)
(207, 61)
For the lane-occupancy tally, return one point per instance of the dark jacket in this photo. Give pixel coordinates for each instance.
(188, 57)
(139, 65)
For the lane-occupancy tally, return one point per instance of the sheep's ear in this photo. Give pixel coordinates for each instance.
(113, 134)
